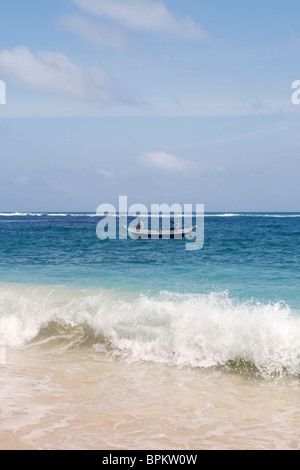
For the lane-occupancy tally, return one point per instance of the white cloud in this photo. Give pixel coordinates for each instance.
(95, 32)
(106, 173)
(23, 179)
(167, 162)
(109, 174)
(54, 72)
(143, 15)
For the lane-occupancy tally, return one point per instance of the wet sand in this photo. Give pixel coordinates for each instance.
(83, 400)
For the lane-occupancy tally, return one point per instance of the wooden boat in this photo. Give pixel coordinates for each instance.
(154, 234)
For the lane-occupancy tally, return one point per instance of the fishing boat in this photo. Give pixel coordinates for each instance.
(154, 234)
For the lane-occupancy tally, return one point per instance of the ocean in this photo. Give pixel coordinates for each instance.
(141, 344)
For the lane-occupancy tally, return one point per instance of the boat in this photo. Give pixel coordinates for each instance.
(155, 234)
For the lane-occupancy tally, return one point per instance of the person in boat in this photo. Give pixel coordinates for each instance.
(140, 225)
(175, 226)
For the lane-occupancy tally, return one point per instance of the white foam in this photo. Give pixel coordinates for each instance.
(66, 214)
(13, 214)
(193, 330)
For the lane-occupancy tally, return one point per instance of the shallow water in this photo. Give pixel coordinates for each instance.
(84, 400)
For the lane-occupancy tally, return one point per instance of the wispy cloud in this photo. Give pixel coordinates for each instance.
(55, 72)
(143, 15)
(95, 32)
(109, 174)
(23, 179)
(106, 173)
(167, 162)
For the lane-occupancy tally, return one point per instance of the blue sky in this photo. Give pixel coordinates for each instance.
(164, 101)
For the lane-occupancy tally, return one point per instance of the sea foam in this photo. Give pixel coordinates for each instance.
(194, 330)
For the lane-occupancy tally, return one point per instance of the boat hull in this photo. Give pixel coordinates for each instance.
(160, 234)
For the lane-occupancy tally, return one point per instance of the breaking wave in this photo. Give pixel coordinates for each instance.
(84, 214)
(207, 330)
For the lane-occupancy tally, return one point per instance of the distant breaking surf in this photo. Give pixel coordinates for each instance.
(89, 214)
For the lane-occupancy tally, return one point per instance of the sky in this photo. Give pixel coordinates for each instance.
(164, 101)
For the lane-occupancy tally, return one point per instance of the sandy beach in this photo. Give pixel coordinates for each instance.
(83, 400)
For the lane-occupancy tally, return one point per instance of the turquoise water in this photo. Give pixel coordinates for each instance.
(250, 256)
(236, 298)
